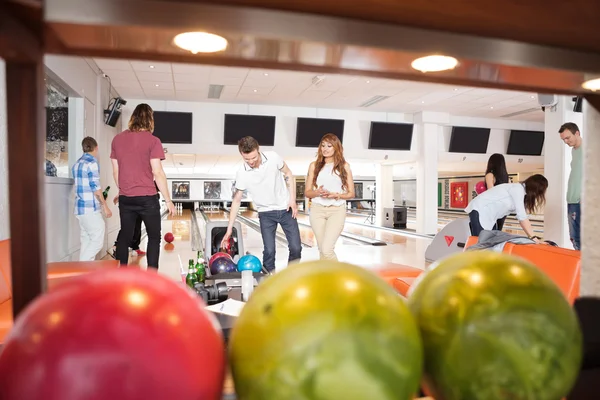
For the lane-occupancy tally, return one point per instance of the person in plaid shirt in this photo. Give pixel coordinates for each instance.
(89, 201)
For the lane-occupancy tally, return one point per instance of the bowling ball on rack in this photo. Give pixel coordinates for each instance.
(495, 326)
(217, 255)
(325, 330)
(169, 238)
(222, 265)
(122, 334)
(249, 262)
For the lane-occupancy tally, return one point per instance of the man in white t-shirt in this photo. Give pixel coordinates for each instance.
(272, 188)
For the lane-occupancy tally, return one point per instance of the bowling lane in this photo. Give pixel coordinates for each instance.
(403, 249)
(307, 235)
(174, 256)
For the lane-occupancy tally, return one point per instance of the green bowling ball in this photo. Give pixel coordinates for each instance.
(325, 331)
(495, 327)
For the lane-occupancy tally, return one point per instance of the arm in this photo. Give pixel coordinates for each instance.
(308, 187)
(518, 196)
(489, 180)
(235, 207)
(290, 182)
(94, 178)
(115, 165)
(233, 212)
(526, 225)
(161, 181)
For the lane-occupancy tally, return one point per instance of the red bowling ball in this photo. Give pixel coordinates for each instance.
(217, 255)
(119, 334)
(169, 237)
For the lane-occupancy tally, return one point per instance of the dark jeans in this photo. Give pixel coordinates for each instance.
(500, 223)
(268, 229)
(148, 209)
(574, 211)
(137, 235)
(476, 227)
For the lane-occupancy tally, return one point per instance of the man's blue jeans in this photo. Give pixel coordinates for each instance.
(268, 229)
(574, 211)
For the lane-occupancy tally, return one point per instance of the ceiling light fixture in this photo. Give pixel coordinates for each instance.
(592, 84)
(266, 74)
(434, 63)
(152, 67)
(156, 85)
(255, 90)
(200, 42)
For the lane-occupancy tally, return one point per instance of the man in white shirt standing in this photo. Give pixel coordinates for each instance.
(272, 188)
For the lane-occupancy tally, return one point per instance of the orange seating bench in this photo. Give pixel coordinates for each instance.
(57, 272)
(563, 266)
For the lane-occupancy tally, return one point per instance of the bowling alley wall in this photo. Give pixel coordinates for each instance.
(405, 190)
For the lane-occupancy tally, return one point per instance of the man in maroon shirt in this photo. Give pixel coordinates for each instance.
(136, 158)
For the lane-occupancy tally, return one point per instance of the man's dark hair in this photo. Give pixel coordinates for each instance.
(247, 145)
(570, 126)
(88, 144)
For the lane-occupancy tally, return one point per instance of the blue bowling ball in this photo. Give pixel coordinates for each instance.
(249, 262)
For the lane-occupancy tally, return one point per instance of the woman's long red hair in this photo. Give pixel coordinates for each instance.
(339, 161)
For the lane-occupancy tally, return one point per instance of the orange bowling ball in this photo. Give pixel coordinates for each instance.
(115, 334)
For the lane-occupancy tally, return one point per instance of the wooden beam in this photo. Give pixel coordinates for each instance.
(16, 41)
(569, 24)
(25, 92)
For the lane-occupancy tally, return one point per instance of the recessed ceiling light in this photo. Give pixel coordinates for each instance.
(266, 74)
(255, 90)
(368, 81)
(423, 102)
(533, 97)
(152, 67)
(434, 63)
(592, 84)
(456, 89)
(492, 107)
(200, 42)
(156, 85)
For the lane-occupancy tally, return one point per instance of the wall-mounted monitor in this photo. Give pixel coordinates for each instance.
(260, 127)
(309, 131)
(469, 140)
(173, 127)
(390, 136)
(525, 143)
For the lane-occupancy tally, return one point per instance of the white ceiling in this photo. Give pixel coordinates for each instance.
(190, 82)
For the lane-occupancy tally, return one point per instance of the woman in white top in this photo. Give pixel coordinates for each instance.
(329, 184)
(501, 200)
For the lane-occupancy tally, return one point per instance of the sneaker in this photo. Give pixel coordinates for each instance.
(138, 252)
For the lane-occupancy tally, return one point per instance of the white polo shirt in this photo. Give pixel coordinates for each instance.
(498, 202)
(265, 184)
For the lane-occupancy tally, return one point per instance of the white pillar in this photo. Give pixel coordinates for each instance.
(384, 191)
(427, 138)
(4, 220)
(590, 203)
(557, 160)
